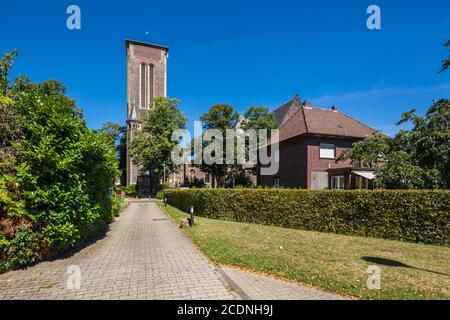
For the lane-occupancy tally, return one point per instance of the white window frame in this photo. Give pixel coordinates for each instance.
(339, 180)
(360, 181)
(324, 151)
(276, 182)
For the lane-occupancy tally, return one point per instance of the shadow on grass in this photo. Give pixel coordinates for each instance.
(395, 263)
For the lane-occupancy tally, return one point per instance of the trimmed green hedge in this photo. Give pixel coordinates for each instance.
(417, 216)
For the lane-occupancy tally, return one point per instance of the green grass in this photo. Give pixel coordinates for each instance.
(332, 262)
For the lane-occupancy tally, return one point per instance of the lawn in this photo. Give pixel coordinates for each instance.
(335, 263)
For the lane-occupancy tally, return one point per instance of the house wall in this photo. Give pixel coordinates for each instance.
(315, 163)
(300, 157)
(292, 168)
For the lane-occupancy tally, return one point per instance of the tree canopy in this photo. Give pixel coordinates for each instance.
(446, 62)
(151, 148)
(418, 158)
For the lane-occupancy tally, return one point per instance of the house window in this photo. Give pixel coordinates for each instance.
(327, 151)
(143, 86)
(361, 183)
(338, 182)
(207, 177)
(276, 182)
(192, 175)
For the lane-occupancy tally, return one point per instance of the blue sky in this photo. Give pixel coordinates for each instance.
(240, 52)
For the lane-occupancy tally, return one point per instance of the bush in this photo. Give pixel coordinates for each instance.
(417, 216)
(57, 176)
(130, 190)
(23, 250)
(117, 205)
(160, 194)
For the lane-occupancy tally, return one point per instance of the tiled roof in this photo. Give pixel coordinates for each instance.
(287, 110)
(320, 121)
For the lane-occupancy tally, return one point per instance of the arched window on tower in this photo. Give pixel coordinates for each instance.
(143, 86)
(151, 84)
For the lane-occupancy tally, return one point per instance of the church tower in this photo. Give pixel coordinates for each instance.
(146, 79)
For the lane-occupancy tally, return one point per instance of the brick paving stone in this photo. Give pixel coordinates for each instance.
(257, 287)
(145, 256)
(140, 256)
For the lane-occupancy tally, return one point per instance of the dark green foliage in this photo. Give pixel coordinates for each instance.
(129, 190)
(416, 216)
(59, 177)
(259, 118)
(152, 146)
(219, 117)
(445, 62)
(418, 158)
(117, 205)
(66, 171)
(23, 250)
(370, 152)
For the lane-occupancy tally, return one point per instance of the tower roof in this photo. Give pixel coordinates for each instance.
(147, 44)
(133, 114)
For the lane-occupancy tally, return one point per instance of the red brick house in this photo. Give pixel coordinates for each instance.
(311, 140)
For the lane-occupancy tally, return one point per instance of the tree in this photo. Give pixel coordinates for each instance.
(6, 64)
(369, 152)
(116, 134)
(151, 148)
(425, 146)
(259, 118)
(256, 118)
(418, 158)
(113, 131)
(446, 62)
(220, 117)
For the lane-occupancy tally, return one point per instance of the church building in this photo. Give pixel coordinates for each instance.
(146, 79)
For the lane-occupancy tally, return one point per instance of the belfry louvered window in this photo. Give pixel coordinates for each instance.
(143, 86)
(151, 84)
(146, 85)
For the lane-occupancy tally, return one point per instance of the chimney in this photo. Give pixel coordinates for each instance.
(334, 108)
(307, 104)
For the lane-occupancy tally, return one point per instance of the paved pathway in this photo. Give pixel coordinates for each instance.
(256, 287)
(145, 256)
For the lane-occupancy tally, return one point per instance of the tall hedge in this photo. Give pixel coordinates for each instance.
(416, 216)
(56, 175)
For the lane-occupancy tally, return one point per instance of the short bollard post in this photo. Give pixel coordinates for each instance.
(165, 202)
(191, 220)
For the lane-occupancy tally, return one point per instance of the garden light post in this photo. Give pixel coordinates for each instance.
(191, 220)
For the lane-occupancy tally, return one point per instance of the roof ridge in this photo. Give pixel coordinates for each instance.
(304, 119)
(284, 123)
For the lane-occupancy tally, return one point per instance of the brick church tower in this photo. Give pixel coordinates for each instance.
(146, 79)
